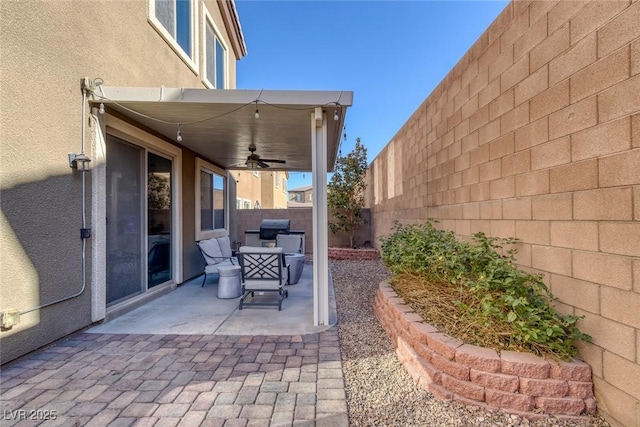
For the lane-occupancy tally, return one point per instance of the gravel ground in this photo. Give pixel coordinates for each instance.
(379, 391)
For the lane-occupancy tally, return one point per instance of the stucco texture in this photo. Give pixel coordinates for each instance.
(46, 48)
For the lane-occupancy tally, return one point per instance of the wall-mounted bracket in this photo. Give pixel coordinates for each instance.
(10, 318)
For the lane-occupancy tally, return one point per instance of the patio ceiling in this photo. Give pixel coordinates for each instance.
(220, 125)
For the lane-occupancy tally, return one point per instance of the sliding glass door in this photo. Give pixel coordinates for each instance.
(139, 220)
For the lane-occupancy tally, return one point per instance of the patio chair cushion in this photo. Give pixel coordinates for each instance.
(263, 269)
(291, 243)
(213, 268)
(264, 273)
(261, 249)
(225, 246)
(211, 251)
(216, 252)
(261, 285)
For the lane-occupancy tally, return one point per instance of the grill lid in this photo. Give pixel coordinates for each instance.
(269, 228)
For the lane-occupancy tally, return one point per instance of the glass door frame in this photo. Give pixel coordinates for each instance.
(149, 143)
(129, 285)
(146, 219)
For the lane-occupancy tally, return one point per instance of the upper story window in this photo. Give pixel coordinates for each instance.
(215, 55)
(277, 179)
(175, 20)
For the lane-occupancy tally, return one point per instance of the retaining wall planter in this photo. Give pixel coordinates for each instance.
(353, 254)
(519, 383)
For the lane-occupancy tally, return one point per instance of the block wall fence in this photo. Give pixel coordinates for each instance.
(301, 219)
(535, 134)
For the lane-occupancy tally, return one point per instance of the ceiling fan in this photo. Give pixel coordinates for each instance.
(254, 161)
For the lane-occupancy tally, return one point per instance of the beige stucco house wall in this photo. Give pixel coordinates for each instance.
(249, 188)
(535, 134)
(46, 48)
(274, 189)
(262, 187)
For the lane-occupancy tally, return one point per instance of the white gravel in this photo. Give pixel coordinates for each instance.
(379, 391)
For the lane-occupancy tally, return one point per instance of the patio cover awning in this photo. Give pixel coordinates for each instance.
(220, 125)
(303, 128)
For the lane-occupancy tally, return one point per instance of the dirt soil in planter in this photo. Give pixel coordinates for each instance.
(435, 302)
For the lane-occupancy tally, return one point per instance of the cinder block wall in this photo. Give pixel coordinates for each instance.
(535, 133)
(301, 219)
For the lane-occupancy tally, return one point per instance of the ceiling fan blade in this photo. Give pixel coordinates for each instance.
(274, 161)
(262, 164)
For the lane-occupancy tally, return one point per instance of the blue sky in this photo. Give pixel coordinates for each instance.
(391, 54)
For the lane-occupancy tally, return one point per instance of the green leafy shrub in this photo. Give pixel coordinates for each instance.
(486, 298)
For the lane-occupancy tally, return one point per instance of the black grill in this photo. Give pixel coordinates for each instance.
(269, 228)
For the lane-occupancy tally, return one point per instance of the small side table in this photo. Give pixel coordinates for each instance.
(229, 283)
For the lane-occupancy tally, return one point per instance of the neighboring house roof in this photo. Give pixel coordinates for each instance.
(300, 189)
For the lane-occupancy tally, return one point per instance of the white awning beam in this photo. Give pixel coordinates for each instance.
(219, 125)
(320, 219)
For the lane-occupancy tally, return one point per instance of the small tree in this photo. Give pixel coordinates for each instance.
(159, 191)
(346, 192)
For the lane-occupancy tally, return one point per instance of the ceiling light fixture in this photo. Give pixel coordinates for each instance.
(251, 164)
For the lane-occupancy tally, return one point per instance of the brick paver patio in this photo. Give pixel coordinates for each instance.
(178, 380)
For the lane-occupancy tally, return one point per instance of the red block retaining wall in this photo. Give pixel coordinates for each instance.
(355, 254)
(518, 383)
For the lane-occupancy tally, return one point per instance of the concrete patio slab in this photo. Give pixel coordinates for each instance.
(193, 309)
